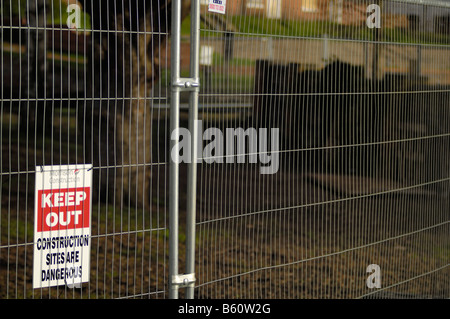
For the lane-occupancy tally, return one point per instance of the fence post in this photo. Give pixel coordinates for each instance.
(193, 128)
(173, 162)
(178, 85)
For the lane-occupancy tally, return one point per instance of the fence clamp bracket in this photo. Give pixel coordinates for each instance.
(183, 281)
(187, 84)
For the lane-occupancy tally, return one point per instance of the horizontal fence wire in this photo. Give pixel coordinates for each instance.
(362, 178)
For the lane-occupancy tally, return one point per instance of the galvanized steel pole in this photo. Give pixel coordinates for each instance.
(193, 128)
(174, 162)
(178, 85)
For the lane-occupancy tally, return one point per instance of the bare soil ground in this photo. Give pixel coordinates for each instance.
(294, 234)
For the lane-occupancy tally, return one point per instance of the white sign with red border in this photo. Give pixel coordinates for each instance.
(217, 6)
(62, 225)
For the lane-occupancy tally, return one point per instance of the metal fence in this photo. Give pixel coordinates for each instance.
(363, 159)
(86, 95)
(337, 172)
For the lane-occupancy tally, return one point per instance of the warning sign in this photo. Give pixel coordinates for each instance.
(218, 6)
(62, 225)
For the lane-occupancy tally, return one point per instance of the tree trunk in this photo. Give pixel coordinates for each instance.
(125, 65)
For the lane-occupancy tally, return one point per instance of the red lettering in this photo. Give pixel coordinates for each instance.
(60, 209)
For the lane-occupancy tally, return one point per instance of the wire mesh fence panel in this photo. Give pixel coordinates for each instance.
(85, 82)
(341, 190)
(323, 143)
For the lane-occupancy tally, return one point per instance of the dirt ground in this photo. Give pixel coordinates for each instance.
(295, 234)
